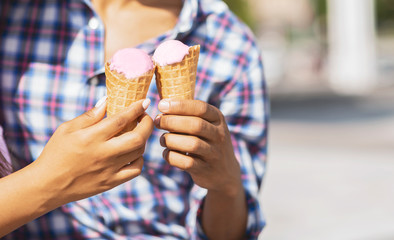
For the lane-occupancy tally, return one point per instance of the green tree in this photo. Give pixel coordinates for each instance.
(242, 9)
(385, 13)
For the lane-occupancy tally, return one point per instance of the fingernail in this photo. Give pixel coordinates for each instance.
(157, 121)
(146, 103)
(162, 140)
(164, 105)
(101, 101)
(165, 153)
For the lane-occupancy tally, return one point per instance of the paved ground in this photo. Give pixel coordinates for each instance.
(331, 168)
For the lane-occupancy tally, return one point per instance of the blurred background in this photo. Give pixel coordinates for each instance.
(329, 67)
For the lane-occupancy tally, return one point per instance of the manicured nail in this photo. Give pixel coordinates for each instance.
(164, 105)
(165, 153)
(146, 103)
(101, 101)
(162, 140)
(157, 121)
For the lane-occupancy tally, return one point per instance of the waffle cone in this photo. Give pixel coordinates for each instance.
(122, 91)
(178, 80)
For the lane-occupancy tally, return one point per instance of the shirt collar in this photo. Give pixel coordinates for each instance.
(187, 17)
(187, 21)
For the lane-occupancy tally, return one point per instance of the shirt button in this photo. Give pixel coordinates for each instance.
(94, 23)
(183, 28)
(119, 230)
(94, 81)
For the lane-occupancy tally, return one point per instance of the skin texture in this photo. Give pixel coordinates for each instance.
(123, 21)
(199, 142)
(85, 156)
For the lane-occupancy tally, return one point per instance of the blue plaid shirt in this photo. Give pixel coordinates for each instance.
(52, 58)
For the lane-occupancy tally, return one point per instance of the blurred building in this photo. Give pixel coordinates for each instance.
(293, 50)
(352, 46)
(333, 45)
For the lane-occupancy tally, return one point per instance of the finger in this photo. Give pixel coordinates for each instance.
(110, 126)
(182, 161)
(129, 157)
(132, 140)
(195, 108)
(129, 171)
(187, 125)
(184, 143)
(90, 117)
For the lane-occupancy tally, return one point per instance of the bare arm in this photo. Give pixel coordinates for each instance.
(224, 215)
(23, 198)
(84, 157)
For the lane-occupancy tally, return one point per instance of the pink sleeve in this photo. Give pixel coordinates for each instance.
(5, 163)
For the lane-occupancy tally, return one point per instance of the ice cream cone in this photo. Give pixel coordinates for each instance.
(178, 80)
(122, 91)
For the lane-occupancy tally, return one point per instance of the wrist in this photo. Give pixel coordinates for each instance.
(232, 185)
(231, 190)
(44, 185)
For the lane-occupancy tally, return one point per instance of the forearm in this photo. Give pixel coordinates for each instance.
(23, 197)
(224, 216)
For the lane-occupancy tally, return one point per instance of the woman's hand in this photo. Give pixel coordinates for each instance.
(199, 142)
(86, 155)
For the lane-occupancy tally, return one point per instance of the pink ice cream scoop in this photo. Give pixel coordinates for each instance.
(176, 69)
(170, 52)
(128, 77)
(132, 62)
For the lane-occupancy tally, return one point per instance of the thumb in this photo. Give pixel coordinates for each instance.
(92, 116)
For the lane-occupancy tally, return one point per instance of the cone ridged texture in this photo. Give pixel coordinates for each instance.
(178, 80)
(122, 91)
